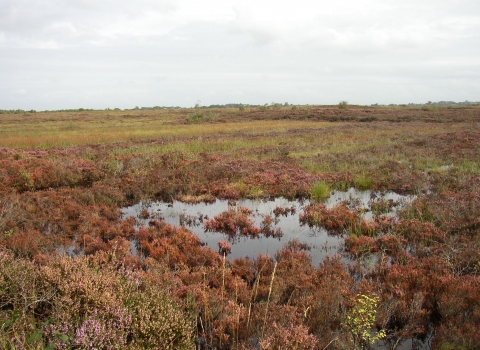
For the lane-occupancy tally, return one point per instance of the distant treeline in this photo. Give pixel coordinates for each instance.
(239, 105)
(227, 105)
(16, 111)
(430, 103)
(22, 111)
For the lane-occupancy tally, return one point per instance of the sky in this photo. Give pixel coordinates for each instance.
(62, 54)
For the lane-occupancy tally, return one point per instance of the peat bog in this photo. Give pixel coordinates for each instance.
(277, 221)
(137, 224)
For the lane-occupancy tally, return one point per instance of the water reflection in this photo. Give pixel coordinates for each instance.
(285, 212)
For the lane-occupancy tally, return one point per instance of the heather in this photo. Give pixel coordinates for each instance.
(86, 303)
(78, 274)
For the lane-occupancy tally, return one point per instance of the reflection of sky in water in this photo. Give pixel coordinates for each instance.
(322, 244)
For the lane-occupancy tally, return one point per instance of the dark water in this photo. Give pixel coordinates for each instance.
(321, 243)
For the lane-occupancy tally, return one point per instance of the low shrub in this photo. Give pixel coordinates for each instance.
(343, 105)
(196, 117)
(86, 303)
(338, 219)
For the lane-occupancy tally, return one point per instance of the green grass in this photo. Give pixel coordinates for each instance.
(469, 167)
(320, 190)
(363, 181)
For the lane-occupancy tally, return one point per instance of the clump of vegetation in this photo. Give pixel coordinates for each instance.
(86, 303)
(338, 220)
(363, 181)
(264, 108)
(320, 190)
(276, 106)
(360, 321)
(196, 117)
(233, 222)
(343, 105)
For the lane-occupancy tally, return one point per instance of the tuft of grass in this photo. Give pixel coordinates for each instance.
(256, 192)
(341, 185)
(320, 190)
(363, 181)
(242, 188)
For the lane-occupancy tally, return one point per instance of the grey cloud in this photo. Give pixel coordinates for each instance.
(28, 23)
(123, 54)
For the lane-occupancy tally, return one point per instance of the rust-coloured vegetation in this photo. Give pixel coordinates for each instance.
(75, 274)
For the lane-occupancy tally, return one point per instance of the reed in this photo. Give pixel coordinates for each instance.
(268, 299)
(253, 296)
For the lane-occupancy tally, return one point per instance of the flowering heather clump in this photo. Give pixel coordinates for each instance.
(88, 303)
(105, 329)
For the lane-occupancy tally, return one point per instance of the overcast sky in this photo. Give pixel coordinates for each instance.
(57, 54)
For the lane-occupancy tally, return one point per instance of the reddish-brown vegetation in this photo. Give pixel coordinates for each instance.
(160, 287)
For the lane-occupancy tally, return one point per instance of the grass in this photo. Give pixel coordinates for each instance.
(363, 181)
(74, 130)
(320, 190)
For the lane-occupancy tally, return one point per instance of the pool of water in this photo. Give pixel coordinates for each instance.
(320, 241)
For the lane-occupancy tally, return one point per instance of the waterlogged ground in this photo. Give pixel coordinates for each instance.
(67, 180)
(285, 224)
